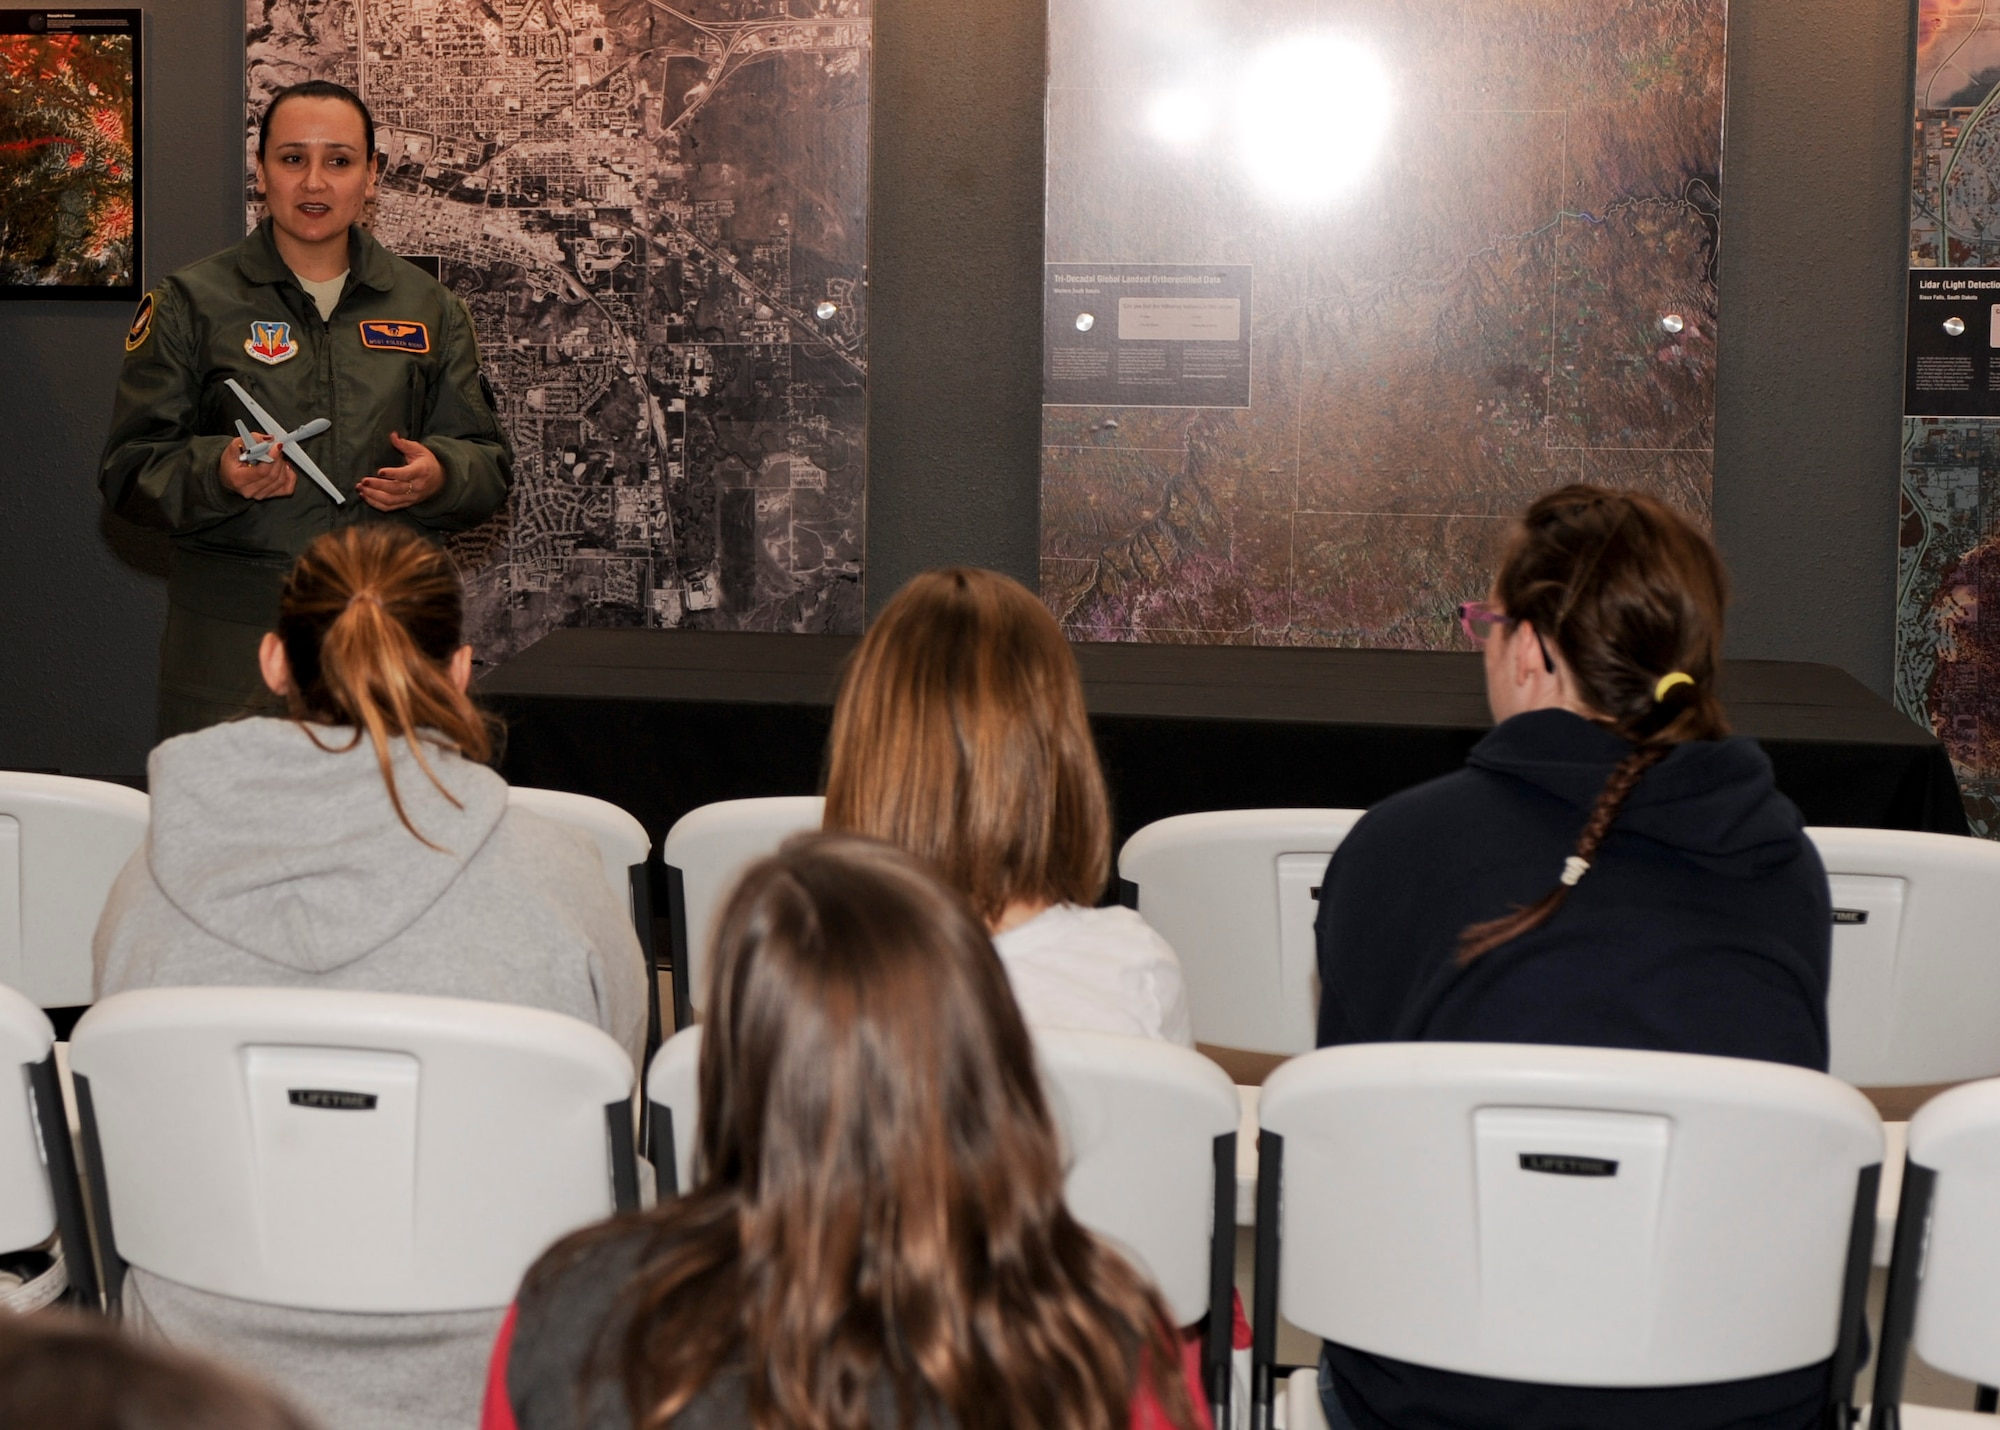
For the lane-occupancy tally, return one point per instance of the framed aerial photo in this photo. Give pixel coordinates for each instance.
(69, 154)
(1335, 288)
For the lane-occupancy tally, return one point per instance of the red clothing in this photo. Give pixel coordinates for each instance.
(498, 1411)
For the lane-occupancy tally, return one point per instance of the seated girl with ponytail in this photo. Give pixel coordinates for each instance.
(361, 843)
(1610, 869)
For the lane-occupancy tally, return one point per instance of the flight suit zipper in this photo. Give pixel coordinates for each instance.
(326, 376)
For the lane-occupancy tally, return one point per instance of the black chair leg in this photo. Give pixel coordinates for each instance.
(1986, 1400)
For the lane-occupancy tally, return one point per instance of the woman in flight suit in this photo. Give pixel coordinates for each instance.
(314, 319)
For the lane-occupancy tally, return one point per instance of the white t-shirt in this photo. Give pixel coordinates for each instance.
(1096, 971)
(325, 293)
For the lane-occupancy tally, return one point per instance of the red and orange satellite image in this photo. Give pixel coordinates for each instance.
(67, 176)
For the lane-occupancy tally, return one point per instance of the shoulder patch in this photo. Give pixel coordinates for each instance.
(142, 324)
(394, 335)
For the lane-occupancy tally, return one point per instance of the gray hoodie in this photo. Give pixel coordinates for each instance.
(271, 862)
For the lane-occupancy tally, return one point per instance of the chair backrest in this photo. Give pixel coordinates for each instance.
(1147, 1125)
(27, 1206)
(623, 845)
(1916, 956)
(62, 843)
(340, 1151)
(675, 1096)
(1946, 1267)
(39, 1188)
(1567, 1216)
(1235, 892)
(704, 853)
(1151, 1133)
(621, 840)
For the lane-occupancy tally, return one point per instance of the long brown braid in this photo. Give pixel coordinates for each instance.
(1629, 592)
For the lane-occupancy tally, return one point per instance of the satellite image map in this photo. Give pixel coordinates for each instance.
(66, 163)
(657, 214)
(1480, 239)
(1947, 634)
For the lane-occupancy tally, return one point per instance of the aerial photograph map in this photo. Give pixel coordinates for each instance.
(657, 215)
(1947, 630)
(1468, 246)
(66, 162)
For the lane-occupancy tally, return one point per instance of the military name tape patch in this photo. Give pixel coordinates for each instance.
(391, 335)
(271, 343)
(142, 324)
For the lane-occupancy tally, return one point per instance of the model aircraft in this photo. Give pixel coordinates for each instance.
(266, 451)
(255, 452)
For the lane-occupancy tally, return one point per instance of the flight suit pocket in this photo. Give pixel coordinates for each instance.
(416, 404)
(219, 406)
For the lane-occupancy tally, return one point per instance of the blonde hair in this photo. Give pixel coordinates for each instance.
(370, 619)
(960, 735)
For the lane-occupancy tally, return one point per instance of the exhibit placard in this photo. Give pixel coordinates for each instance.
(1146, 335)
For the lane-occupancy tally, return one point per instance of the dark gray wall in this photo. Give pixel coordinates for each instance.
(1807, 419)
(1815, 246)
(82, 595)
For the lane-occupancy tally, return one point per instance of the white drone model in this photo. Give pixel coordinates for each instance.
(255, 452)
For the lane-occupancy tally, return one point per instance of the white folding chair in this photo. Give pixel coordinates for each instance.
(1563, 1216)
(338, 1151)
(39, 1190)
(1915, 997)
(704, 853)
(1150, 1130)
(1944, 1275)
(1150, 1133)
(62, 843)
(673, 1099)
(1235, 892)
(624, 846)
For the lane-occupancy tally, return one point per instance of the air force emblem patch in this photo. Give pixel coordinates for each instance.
(271, 343)
(393, 335)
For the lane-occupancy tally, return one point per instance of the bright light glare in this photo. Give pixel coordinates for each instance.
(1311, 116)
(1180, 117)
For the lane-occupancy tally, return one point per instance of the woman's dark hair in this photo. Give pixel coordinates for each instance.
(319, 89)
(63, 1372)
(879, 1186)
(1630, 593)
(370, 619)
(960, 735)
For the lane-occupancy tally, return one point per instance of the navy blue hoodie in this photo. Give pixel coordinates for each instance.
(1703, 926)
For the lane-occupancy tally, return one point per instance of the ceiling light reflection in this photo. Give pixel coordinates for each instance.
(1181, 118)
(1311, 115)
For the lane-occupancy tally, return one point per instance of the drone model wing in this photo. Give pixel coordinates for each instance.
(289, 441)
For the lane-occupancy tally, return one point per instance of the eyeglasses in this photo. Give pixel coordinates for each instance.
(1477, 620)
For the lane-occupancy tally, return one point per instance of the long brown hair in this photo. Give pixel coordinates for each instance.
(879, 1193)
(61, 1369)
(1630, 593)
(960, 735)
(370, 619)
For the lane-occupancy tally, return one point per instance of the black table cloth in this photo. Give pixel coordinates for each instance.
(663, 721)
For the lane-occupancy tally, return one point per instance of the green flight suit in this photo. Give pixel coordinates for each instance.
(398, 355)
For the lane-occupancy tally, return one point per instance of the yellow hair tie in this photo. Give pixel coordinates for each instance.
(1668, 682)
